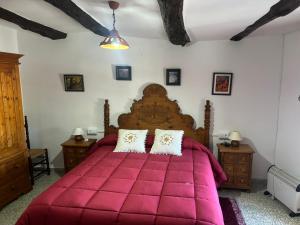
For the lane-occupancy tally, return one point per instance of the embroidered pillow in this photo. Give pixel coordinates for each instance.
(131, 141)
(167, 142)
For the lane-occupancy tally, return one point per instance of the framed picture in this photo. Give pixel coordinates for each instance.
(73, 82)
(173, 77)
(222, 83)
(123, 72)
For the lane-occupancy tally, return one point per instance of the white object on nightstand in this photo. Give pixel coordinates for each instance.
(92, 130)
(221, 134)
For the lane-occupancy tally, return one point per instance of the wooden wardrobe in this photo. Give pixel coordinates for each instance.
(14, 173)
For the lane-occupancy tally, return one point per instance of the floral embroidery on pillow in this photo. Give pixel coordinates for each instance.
(130, 138)
(166, 139)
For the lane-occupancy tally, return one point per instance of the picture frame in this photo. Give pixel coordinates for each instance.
(173, 77)
(123, 73)
(222, 83)
(74, 82)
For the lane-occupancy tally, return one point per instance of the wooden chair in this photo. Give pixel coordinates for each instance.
(38, 158)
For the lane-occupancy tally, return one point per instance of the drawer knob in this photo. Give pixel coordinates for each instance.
(13, 187)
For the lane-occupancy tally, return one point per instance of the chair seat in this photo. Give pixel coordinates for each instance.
(34, 153)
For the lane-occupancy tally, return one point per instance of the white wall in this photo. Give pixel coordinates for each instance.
(8, 39)
(288, 150)
(53, 113)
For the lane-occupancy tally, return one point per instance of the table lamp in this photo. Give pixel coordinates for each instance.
(235, 138)
(78, 134)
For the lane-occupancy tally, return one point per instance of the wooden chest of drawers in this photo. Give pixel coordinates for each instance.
(237, 164)
(14, 178)
(75, 151)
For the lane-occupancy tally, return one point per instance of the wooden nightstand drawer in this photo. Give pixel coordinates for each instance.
(75, 152)
(71, 162)
(81, 151)
(242, 181)
(242, 169)
(230, 181)
(229, 169)
(228, 158)
(70, 151)
(242, 158)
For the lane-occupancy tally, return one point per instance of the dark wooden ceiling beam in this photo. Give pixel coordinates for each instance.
(31, 25)
(280, 9)
(71, 9)
(171, 12)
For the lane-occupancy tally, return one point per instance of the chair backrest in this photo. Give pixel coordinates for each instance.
(27, 132)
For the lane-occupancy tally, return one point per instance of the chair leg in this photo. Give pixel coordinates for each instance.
(47, 160)
(31, 170)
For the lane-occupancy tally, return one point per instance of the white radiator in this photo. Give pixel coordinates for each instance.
(285, 188)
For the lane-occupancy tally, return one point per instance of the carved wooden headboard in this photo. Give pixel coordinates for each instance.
(156, 110)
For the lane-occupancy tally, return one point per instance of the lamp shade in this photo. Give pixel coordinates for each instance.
(78, 131)
(235, 136)
(114, 41)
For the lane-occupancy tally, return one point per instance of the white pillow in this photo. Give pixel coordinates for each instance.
(131, 141)
(167, 142)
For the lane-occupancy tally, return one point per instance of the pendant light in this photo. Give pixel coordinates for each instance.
(114, 41)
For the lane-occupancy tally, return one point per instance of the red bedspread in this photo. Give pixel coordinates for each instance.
(129, 188)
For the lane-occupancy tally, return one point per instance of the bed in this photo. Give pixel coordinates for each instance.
(110, 188)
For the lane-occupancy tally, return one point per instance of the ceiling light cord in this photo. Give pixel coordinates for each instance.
(114, 19)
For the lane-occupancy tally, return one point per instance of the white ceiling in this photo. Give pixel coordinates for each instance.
(204, 20)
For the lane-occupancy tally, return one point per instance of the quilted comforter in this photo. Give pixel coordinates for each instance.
(131, 188)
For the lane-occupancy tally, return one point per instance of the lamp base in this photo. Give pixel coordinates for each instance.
(226, 144)
(78, 138)
(113, 5)
(235, 144)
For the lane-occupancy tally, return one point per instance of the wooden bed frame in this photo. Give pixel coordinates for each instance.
(156, 110)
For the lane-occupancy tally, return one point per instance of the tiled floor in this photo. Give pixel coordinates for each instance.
(257, 209)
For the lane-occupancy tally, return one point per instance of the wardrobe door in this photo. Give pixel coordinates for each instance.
(3, 138)
(12, 139)
(16, 97)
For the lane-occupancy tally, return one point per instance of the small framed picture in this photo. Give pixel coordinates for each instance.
(222, 83)
(173, 77)
(123, 73)
(73, 82)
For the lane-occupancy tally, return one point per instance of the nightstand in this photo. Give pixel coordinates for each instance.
(237, 164)
(75, 151)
